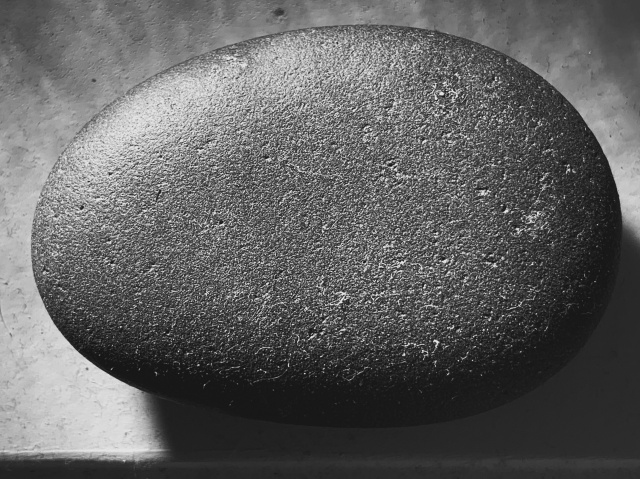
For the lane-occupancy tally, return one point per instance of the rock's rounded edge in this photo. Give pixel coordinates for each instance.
(164, 387)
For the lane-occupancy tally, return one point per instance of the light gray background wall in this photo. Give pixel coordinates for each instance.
(61, 61)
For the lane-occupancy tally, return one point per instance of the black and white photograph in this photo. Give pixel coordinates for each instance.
(319, 239)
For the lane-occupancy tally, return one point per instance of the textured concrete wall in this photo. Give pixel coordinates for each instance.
(61, 61)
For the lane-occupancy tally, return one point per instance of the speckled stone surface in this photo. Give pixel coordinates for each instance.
(353, 226)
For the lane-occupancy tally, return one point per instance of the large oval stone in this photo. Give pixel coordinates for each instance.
(349, 226)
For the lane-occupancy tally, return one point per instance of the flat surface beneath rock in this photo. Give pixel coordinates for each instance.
(52, 57)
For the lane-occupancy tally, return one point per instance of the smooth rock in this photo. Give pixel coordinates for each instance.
(346, 226)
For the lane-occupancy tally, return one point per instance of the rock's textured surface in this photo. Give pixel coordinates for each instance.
(351, 226)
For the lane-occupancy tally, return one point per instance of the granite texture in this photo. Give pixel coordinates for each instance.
(352, 226)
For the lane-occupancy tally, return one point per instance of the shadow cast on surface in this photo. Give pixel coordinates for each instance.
(589, 409)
